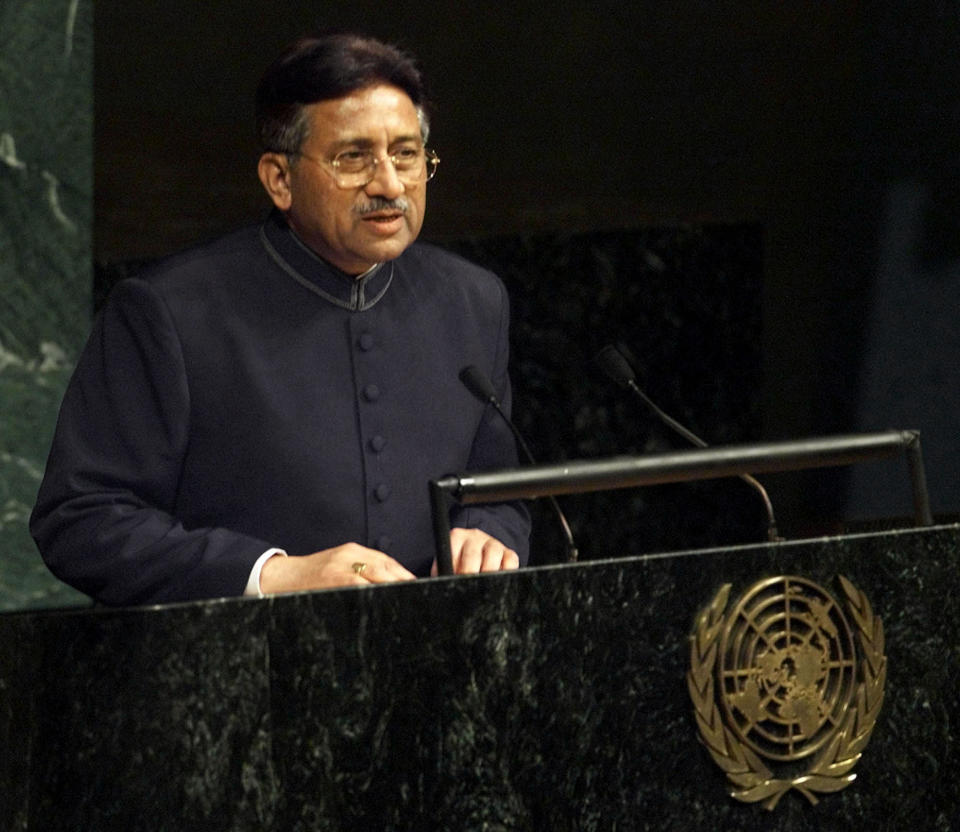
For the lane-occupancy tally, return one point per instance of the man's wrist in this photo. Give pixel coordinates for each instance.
(254, 587)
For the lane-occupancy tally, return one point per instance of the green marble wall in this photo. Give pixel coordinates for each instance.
(46, 151)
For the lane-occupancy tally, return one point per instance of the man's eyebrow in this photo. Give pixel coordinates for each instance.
(352, 142)
(366, 144)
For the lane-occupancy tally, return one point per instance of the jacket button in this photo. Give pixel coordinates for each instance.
(382, 492)
(366, 341)
(383, 543)
(378, 443)
(371, 392)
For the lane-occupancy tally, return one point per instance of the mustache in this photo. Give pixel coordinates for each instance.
(379, 203)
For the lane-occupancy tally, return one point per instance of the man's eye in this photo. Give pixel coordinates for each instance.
(407, 154)
(352, 158)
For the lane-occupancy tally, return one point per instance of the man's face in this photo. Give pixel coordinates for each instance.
(351, 227)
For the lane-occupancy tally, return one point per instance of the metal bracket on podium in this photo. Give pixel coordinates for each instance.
(583, 476)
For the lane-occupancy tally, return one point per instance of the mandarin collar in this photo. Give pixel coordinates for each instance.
(302, 264)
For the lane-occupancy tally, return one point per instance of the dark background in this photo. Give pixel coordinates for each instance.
(824, 132)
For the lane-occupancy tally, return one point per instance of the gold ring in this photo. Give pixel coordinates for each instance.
(358, 567)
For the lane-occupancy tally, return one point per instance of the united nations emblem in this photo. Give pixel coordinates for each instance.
(785, 680)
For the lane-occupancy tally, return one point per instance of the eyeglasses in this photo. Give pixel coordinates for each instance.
(357, 168)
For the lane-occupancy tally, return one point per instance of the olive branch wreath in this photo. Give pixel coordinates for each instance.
(830, 769)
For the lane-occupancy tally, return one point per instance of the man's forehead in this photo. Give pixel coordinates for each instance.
(380, 106)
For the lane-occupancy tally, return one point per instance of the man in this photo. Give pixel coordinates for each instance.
(263, 414)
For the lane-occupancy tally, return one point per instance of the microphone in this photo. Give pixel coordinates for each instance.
(481, 387)
(612, 361)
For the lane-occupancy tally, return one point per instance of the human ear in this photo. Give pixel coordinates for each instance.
(274, 172)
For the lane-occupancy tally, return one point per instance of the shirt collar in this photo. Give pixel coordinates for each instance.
(300, 262)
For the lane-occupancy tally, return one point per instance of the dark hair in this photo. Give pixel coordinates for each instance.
(323, 68)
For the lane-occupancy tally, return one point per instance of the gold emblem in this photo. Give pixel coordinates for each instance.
(785, 680)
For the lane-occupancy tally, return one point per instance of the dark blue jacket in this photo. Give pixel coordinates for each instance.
(246, 395)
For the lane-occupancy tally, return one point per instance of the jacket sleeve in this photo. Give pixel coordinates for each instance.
(494, 447)
(104, 520)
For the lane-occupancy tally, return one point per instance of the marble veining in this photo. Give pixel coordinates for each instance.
(8, 152)
(53, 201)
(70, 28)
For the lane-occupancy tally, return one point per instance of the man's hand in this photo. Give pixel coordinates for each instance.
(476, 551)
(347, 565)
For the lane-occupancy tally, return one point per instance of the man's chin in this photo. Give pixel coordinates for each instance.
(388, 248)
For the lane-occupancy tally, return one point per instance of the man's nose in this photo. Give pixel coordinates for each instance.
(385, 181)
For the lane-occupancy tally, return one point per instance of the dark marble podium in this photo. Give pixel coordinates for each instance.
(550, 699)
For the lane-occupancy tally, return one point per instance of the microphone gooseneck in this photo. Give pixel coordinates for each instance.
(617, 368)
(481, 387)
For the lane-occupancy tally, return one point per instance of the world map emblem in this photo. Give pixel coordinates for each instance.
(788, 680)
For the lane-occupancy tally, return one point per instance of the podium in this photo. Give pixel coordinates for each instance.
(553, 698)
